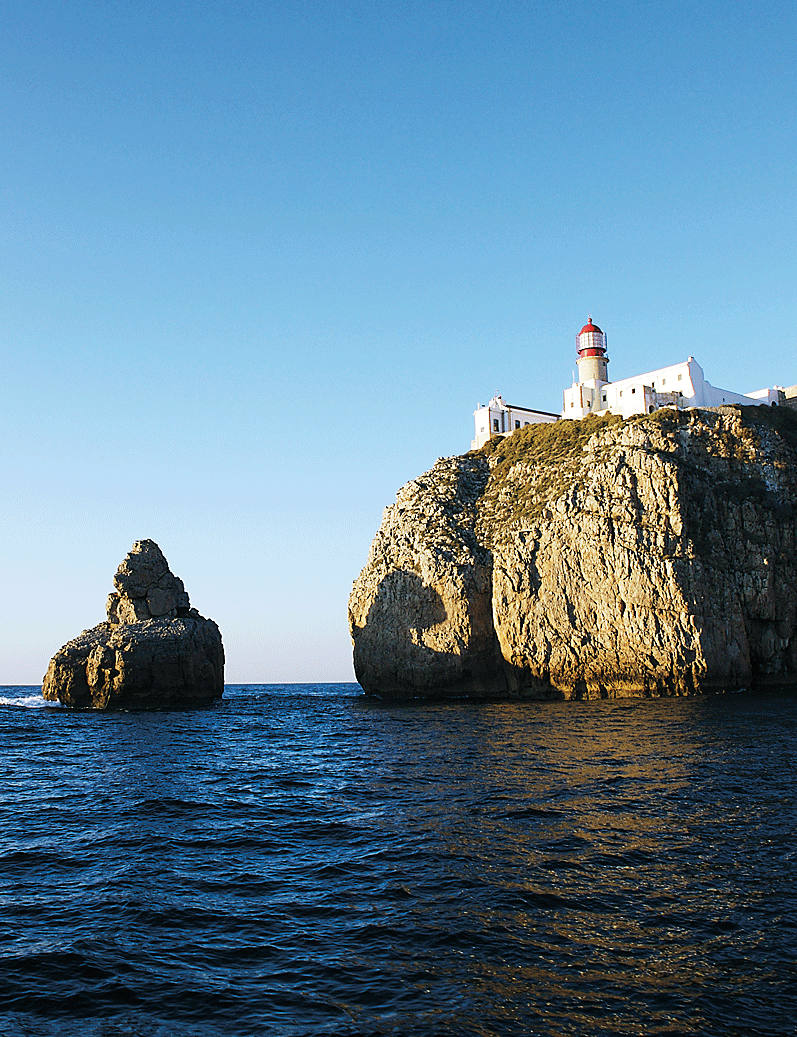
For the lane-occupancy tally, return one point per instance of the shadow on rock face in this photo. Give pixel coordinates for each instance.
(392, 651)
(409, 645)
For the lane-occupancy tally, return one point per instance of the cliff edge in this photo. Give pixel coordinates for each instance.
(592, 558)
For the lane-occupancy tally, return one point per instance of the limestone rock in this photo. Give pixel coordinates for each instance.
(654, 556)
(154, 650)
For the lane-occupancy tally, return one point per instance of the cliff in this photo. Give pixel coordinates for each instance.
(154, 651)
(593, 558)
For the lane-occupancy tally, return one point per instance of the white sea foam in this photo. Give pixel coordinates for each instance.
(29, 701)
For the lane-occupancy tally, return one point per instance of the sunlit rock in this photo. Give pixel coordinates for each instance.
(597, 558)
(154, 650)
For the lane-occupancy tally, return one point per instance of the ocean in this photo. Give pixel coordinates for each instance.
(300, 860)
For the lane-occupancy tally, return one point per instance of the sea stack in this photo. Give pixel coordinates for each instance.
(588, 559)
(153, 652)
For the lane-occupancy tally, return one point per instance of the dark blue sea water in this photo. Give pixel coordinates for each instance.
(302, 861)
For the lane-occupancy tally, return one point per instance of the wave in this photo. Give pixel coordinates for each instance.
(27, 701)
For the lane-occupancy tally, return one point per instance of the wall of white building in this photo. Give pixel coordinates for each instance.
(681, 385)
(499, 418)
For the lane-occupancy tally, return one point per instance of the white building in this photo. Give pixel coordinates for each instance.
(679, 385)
(499, 418)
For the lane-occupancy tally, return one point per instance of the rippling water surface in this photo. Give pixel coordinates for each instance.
(299, 860)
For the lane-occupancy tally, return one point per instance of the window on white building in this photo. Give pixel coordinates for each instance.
(517, 424)
(495, 425)
(680, 377)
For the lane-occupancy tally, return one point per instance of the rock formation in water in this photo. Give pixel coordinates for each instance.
(593, 558)
(153, 652)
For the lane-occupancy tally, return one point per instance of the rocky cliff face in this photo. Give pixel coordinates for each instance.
(154, 651)
(653, 556)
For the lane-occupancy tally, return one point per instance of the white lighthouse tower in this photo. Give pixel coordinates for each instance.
(586, 395)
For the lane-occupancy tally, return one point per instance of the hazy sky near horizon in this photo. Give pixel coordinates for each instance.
(262, 260)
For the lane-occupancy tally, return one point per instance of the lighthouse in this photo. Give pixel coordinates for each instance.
(592, 359)
(589, 394)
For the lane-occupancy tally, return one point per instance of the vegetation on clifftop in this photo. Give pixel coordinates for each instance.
(531, 468)
(544, 444)
(782, 419)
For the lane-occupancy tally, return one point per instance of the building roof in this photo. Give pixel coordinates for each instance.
(589, 326)
(533, 410)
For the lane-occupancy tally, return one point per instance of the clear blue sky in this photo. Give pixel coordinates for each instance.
(261, 261)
